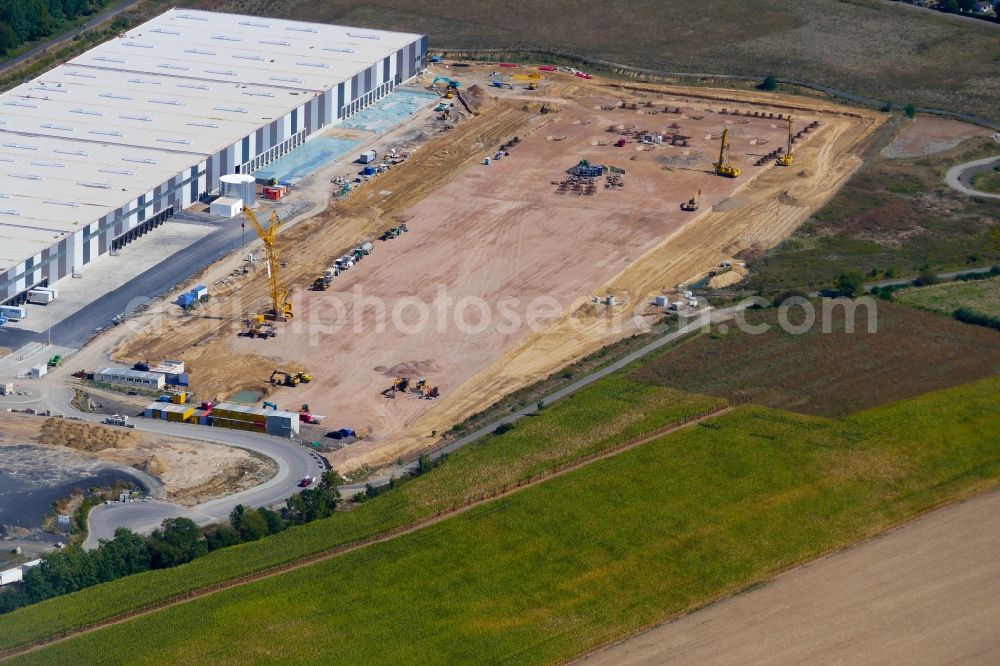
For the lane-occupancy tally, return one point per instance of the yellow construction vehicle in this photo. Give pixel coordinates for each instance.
(303, 377)
(693, 203)
(533, 85)
(788, 157)
(284, 378)
(723, 167)
(281, 309)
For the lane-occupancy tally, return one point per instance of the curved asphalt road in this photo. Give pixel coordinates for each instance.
(960, 177)
(294, 462)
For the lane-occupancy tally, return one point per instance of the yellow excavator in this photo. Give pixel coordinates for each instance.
(693, 203)
(788, 157)
(723, 167)
(281, 309)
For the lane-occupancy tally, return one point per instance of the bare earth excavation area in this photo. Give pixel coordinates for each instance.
(494, 286)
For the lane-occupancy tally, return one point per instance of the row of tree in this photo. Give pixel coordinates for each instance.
(175, 542)
(24, 20)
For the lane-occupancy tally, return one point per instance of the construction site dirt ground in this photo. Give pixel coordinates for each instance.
(191, 472)
(516, 247)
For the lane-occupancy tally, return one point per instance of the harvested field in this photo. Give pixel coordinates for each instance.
(924, 593)
(518, 250)
(830, 374)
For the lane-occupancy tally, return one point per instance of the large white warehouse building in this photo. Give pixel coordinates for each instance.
(105, 147)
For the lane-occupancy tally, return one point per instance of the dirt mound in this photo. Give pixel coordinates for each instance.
(85, 437)
(410, 369)
(157, 466)
(787, 199)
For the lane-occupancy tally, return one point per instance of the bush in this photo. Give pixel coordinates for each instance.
(926, 278)
(850, 283)
(968, 316)
(503, 428)
(911, 111)
(769, 83)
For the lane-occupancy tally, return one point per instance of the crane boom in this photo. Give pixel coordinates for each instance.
(788, 157)
(723, 148)
(281, 309)
(722, 167)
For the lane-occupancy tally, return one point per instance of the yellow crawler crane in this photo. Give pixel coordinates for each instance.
(281, 309)
(723, 167)
(788, 157)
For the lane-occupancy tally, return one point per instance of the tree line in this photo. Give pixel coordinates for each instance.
(25, 20)
(177, 541)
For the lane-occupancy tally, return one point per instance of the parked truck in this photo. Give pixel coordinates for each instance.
(42, 295)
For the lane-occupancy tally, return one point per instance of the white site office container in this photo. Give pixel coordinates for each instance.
(41, 296)
(39, 371)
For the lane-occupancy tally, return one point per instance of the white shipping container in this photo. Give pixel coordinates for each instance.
(41, 296)
(368, 156)
(662, 301)
(39, 371)
(14, 312)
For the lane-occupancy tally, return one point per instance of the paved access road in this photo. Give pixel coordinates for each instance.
(924, 593)
(960, 177)
(106, 15)
(294, 463)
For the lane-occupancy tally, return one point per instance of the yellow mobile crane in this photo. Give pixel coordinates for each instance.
(281, 309)
(723, 167)
(788, 157)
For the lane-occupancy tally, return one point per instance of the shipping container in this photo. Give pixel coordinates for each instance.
(368, 156)
(41, 296)
(13, 312)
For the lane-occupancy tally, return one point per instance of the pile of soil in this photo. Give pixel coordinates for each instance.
(410, 369)
(84, 436)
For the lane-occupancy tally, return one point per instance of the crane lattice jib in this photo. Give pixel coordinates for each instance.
(724, 149)
(269, 236)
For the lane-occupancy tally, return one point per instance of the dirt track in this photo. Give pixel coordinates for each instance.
(505, 230)
(925, 593)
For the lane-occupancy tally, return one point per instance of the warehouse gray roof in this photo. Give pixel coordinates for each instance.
(91, 135)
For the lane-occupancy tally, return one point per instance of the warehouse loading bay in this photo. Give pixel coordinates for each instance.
(593, 196)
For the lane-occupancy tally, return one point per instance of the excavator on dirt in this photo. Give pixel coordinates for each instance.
(693, 203)
(723, 167)
(285, 378)
(788, 157)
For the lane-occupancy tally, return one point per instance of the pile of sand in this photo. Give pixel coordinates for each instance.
(410, 369)
(84, 436)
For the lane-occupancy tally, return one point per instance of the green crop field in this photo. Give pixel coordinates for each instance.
(600, 417)
(893, 218)
(980, 295)
(589, 557)
(869, 47)
(830, 373)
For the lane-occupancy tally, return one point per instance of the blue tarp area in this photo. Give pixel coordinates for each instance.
(306, 159)
(391, 110)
